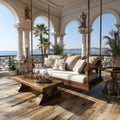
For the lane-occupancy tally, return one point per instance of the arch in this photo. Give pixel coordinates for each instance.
(45, 16)
(106, 11)
(95, 35)
(72, 41)
(67, 21)
(15, 12)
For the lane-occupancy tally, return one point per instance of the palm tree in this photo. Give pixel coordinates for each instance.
(45, 45)
(39, 31)
(113, 41)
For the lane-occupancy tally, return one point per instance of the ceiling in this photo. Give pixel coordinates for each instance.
(65, 6)
(60, 4)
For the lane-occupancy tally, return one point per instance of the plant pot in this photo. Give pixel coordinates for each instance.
(12, 72)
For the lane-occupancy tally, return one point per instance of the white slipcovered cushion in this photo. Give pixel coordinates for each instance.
(49, 62)
(59, 64)
(67, 75)
(79, 66)
(71, 61)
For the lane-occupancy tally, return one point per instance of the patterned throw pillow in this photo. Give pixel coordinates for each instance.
(49, 63)
(59, 64)
(79, 66)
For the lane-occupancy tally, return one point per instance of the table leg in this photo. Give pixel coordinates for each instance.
(105, 89)
(47, 95)
(23, 88)
(111, 89)
(117, 90)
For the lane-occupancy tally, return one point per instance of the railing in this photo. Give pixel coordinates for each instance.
(4, 61)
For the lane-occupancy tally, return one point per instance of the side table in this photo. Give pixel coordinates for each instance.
(112, 86)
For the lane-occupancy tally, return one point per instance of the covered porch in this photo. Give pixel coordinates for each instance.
(75, 103)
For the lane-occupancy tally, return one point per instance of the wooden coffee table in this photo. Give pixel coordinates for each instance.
(47, 90)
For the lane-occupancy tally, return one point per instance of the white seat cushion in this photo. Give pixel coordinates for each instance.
(67, 75)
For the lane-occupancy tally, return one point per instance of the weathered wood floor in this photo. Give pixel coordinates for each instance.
(73, 105)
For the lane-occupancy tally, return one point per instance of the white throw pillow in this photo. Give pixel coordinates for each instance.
(79, 66)
(49, 63)
(71, 61)
(59, 64)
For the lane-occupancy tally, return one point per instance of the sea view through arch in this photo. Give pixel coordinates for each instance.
(94, 51)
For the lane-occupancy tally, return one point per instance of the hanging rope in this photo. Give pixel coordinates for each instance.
(31, 28)
(49, 27)
(88, 53)
(100, 33)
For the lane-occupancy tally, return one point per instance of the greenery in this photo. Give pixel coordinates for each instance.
(57, 50)
(45, 45)
(113, 41)
(12, 64)
(41, 31)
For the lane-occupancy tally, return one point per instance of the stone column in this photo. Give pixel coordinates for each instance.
(60, 40)
(55, 38)
(27, 43)
(83, 31)
(20, 43)
(83, 52)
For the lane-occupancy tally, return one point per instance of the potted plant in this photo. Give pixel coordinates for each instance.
(57, 50)
(12, 67)
(113, 41)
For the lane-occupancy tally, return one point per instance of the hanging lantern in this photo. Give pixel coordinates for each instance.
(27, 14)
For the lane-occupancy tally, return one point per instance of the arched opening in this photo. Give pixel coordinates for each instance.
(73, 38)
(40, 20)
(9, 38)
(108, 23)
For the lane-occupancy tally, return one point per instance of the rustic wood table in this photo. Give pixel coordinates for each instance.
(47, 90)
(112, 86)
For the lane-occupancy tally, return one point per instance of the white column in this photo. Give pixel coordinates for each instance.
(55, 38)
(27, 43)
(60, 40)
(83, 31)
(20, 44)
(83, 52)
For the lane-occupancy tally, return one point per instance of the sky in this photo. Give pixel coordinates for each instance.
(72, 39)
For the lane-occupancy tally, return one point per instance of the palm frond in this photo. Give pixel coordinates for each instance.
(114, 43)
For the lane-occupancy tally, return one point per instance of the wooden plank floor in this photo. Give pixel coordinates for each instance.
(75, 104)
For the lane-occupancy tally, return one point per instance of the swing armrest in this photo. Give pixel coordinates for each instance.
(91, 68)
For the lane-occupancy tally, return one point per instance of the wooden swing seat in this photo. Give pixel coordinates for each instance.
(89, 84)
(84, 81)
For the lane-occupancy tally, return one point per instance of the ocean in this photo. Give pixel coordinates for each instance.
(94, 51)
